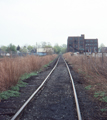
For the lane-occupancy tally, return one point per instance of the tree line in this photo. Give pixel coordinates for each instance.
(29, 48)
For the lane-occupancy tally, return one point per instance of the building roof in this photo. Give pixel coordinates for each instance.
(82, 35)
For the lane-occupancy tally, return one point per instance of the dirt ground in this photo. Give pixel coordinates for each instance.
(55, 101)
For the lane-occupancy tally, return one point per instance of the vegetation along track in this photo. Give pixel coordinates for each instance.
(56, 99)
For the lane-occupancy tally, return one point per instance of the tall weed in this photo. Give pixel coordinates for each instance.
(90, 66)
(11, 69)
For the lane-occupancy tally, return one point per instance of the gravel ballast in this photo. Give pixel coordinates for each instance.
(56, 101)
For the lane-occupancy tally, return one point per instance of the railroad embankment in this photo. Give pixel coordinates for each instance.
(93, 74)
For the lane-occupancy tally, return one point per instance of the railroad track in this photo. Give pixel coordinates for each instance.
(57, 98)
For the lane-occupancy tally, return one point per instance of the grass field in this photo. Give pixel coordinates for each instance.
(93, 71)
(11, 69)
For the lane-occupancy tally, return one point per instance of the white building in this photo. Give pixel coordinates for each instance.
(45, 51)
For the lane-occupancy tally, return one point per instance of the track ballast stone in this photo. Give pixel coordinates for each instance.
(55, 101)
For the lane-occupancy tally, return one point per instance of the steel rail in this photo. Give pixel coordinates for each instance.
(31, 97)
(75, 94)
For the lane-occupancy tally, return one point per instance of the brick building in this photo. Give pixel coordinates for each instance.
(80, 44)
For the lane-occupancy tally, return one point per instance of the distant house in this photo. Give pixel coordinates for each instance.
(45, 51)
(104, 49)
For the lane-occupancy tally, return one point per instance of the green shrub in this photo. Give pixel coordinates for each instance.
(104, 99)
(88, 87)
(103, 110)
(100, 93)
(13, 92)
(28, 75)
(9, 93)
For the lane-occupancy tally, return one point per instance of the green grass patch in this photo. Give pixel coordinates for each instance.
(19, 84)
(102, 96)
(104, 99)
(99, 94)
(88, 87)
(9, 93)
(45, 66)
(103, 110)
(13, 92)
(28, 75)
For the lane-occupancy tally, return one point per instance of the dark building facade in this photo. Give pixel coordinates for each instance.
(80, 44)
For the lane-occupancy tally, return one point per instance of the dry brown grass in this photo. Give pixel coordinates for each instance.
(92, 70)
(11, 69)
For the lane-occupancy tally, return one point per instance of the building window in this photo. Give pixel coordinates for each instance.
(75, 38)
(70, 38)
(95, 41)
(81, 38)
(95, 44)
(81, 42)
(91, 41)
(87, 41)
(95, 49)
(75, 41)
(76, 46)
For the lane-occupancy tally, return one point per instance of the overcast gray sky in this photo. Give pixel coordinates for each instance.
(29, 21)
